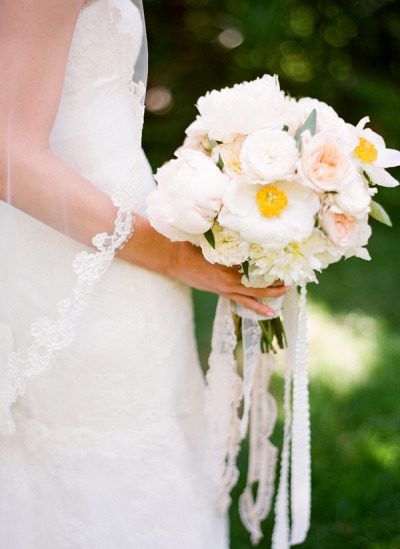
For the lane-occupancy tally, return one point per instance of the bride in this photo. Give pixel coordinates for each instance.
(103, 435)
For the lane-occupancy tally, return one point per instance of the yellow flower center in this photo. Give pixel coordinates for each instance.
(271, 201)
(366, 151)
(235, 166)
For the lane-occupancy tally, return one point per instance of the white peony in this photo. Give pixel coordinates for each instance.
(269, 155)
(295, 264)
(269, 215)
(373, 157)
(230, 249)
(327, 117)
(188, 196)
(244, 109)
(198, 142)
(325, 163)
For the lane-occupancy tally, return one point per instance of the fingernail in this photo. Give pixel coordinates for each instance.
(270, 313)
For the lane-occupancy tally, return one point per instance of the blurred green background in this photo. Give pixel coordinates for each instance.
(347, 54)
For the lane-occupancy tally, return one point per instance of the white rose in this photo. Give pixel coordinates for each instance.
(325, 163)
(353, 200)
(244, 109)
(269, 155)
(269, 215)
(188, 196)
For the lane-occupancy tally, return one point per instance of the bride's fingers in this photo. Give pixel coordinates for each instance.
(232, 277)
(229, 281)
(271, 291)
(277, 284)
(252, 304)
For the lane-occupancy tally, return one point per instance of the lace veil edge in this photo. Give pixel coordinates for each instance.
(53, 332)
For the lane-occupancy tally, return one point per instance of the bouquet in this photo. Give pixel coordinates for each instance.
(282, 188)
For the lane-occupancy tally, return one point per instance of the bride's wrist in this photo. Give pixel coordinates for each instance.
(179, 259)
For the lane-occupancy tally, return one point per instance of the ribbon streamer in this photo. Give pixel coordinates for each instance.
(262, 455)
(224, 394)
(223, 397)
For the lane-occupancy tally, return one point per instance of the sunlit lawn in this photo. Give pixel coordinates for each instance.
(354, 335)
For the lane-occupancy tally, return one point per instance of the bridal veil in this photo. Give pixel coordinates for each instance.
(39, 314)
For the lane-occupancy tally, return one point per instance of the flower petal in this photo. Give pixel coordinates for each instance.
(360, 126)
(379, 176)
(388, 158)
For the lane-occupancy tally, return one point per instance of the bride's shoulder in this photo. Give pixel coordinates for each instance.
(40, 9)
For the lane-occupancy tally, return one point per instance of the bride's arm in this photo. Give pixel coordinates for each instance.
(185, 262)
(35, 37)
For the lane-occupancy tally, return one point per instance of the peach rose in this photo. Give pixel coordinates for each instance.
(325, 163)
(344, 231)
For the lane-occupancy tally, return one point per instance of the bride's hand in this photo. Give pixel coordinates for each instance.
(193, 269)
(185, 262)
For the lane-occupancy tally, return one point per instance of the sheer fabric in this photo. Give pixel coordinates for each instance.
(101, 89)
(102, 396)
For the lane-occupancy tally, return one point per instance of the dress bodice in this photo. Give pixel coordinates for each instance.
(105, 45)
(98, 126)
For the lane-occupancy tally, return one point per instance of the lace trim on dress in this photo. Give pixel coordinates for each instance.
(51, 336)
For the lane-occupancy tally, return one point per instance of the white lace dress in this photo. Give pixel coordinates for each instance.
(109, 446)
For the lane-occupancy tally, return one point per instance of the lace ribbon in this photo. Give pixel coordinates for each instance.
(225, 392)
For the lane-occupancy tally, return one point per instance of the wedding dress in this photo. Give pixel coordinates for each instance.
(108, 449)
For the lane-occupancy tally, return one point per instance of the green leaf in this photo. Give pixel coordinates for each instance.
(212, 143)
(209, 235)
(285, 128)
(378, 213)
(220, 163)
(367, 177)
(310, 124)
(245, 267)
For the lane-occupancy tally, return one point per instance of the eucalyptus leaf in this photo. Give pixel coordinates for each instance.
(378, 213)
(310, 124)
(212, 142)
(209, 236)
(220, 163)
